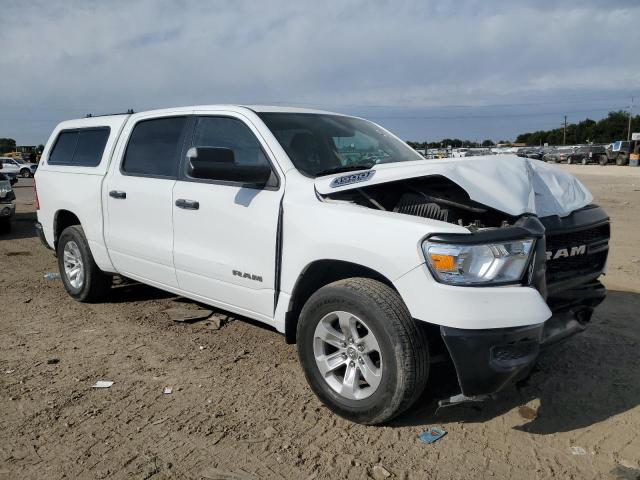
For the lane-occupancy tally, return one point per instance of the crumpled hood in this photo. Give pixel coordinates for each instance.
(508, 183)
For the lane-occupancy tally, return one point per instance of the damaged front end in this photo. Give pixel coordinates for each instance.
(569, 254)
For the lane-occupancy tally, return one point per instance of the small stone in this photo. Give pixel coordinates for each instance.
(53, 361)
(379, 472)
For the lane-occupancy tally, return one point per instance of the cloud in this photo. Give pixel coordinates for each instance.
(69, 58)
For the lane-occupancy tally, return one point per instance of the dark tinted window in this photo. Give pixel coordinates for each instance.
(229, 133)
(62, 153)
(90, 147)
(154, 147)
(83, 147)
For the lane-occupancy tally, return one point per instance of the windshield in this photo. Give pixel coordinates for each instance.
(318, 144)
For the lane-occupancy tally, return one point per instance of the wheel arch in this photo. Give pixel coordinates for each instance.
(316, 275)
(61, 220)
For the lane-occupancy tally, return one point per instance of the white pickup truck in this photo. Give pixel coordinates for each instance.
(375, 261)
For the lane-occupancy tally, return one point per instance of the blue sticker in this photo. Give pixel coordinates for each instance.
(432, 434)
(352, 178)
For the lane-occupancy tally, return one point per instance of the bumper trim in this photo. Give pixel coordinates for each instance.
(486, 361)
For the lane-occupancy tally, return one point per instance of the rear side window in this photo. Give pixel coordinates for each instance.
(81, 147)
(154, 147)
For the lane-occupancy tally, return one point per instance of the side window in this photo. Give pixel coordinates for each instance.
(154, 147)
(90, 147)
(230, 133)
(62, 153)
(82, 147)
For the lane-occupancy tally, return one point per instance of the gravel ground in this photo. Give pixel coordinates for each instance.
(240, 407)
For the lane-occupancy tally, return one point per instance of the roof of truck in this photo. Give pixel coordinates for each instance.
(255, 108)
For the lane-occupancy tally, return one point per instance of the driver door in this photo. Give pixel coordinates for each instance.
(225, 233)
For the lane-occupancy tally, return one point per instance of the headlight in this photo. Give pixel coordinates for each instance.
(490, 263)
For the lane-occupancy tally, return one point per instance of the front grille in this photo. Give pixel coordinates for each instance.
(571, 262)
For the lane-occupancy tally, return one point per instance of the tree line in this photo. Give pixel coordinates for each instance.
(613, 127)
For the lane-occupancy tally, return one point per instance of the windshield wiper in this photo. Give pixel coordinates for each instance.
(345, 168)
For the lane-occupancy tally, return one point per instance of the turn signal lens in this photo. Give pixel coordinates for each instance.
(442, 263)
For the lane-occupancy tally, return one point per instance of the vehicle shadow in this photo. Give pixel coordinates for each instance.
(590, 378)
(125, 291)
(22, 226)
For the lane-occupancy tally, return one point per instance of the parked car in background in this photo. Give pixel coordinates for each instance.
(530, 152)
(18, 166)
(618, 153)
(590, 154)
(558, 155)
(7, 207)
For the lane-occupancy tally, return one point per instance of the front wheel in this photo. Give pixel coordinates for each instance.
(361, 351)
(603, 160)
(621, 160)
(25, 173)
(82, 278)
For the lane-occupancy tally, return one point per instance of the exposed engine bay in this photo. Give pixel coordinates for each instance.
(435, 197)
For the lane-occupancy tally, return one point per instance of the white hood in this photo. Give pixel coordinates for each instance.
(508, 183)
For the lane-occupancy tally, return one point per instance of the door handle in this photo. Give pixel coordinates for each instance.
(118, 194)
(187, 204)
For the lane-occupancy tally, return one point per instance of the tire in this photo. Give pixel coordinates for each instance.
(584, 161)
(25, 173)
(569, 161)
(90, 284)
(603, 160)
(621, 160)
(369, 308)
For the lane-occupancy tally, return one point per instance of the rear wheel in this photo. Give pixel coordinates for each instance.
(362, 353)
(82, 278)
(584, 160)
(603, 160)
(621, 160)
(25, 173)
(569, 161)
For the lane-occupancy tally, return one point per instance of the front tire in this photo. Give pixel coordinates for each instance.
(25, 173)
(82, 278)
(361, 351)
(603, 160)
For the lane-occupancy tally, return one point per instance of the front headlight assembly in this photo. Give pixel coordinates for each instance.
(501, 262)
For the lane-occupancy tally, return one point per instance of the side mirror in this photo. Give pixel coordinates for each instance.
(217, 163)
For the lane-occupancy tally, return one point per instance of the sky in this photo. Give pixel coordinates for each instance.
(427, 70)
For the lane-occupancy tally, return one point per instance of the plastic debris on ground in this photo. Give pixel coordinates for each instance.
(578, 451)
(167, 390)
(52, 276)
(102, 384)
(432, 434)
(188, 315)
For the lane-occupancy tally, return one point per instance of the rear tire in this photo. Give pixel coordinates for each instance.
(621, 160)
(386, 346)
(603, 160)
(584, 161)
(569, 161)
(82, 278)
(25, 173)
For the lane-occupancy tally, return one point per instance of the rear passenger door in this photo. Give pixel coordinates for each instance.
(139, 200)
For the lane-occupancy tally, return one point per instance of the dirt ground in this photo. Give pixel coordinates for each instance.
(240, 406)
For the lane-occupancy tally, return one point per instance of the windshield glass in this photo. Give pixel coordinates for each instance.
(319, 143)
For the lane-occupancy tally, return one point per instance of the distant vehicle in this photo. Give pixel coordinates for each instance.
(530, 152)
(587, 154)
(556, 155)
(7, 207)
(617, 152)
(18, 166)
